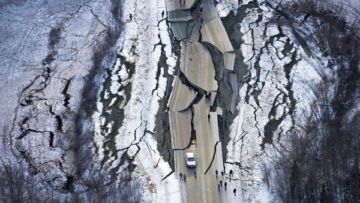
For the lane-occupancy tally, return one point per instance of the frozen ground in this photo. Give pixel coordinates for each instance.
(47, 50)
(135, 85)
(50, 50)
(50, 53)
(272, 100)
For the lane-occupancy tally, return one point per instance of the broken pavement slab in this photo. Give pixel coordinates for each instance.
(234, 91)
(209, 11)
(213, 32)
(229, 60)
(197, 66)
(179, 16)
(195, 32)
(172, 5)
(181, 30)
(181, 97)
(180, 23)
(180, 125)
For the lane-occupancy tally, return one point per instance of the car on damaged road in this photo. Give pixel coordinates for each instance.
(190, 160)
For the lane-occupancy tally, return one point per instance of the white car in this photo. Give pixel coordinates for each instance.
(190, 160)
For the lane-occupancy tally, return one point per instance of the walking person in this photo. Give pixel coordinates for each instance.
(222, 173)
(184, 178)
(231, 173)
(195, 174)
(220, 183)
(219, 187)
(234, 191)
(216, 172)
(225, 185)
(180, 175)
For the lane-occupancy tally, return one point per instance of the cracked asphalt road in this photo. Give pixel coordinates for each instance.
(194, 127)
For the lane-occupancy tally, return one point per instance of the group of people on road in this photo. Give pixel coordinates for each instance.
(222, 181)
(182, 177)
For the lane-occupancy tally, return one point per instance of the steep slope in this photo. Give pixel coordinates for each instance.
(52, 55)
(292, 71)
(321, 163)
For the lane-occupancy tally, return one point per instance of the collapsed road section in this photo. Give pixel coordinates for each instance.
(192, 110)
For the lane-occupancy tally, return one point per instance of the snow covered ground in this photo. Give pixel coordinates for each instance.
(48, 49)
(272, 101)
(46, 52)
(45, 61)
(145, 37)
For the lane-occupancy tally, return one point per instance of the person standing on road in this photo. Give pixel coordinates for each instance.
(231, 173)
(234, 191)
(225, 185)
